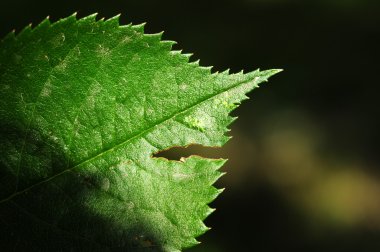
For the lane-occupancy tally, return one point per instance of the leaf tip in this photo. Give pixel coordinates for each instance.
(268, 73)
(273, 71)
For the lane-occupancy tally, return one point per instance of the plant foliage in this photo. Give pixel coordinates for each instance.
(84, 106)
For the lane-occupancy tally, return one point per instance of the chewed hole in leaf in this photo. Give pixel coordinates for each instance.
(177, 153)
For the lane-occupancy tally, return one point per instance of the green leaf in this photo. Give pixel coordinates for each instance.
(84, 106)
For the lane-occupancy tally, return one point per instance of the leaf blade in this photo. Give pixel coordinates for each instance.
(86, 106)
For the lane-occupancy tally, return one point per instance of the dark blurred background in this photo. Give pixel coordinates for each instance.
(304, 169)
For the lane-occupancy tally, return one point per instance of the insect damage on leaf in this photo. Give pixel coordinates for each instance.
(85, 105)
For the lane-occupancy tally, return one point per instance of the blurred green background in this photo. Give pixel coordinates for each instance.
(304, 162)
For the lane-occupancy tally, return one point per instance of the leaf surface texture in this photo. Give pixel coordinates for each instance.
(84, 106)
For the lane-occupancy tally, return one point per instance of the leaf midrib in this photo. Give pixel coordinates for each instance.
(15, 194)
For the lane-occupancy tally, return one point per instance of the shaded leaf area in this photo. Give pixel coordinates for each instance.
(86, 104)
(58, 215)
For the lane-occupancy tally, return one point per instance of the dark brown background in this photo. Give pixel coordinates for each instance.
(304, 162)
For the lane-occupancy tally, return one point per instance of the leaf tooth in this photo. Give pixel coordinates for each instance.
(126, 27)
(206, 69)
(202, 228)
(158, 34)
(154, 37)
(226, 72)
(204, 212)
(192, 242)
(231, 120)
(176, 52)
(167, 44)
(261, 76)
(25, 31)
(226, 130)
(181, 56)
(209, 210)
(10, 36)
(172, 42)
(220, 190)
(129, 25)
(89, 19)
(75, 14)
(223, 140)
(187, 55)
(195, 63)
(70, 19)
(108, 25)
(115, 20)
(238, 75)
(206, 228)
(139, 27)
(213, 194)
(42, 24)
(221, 174)
(216, 178)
